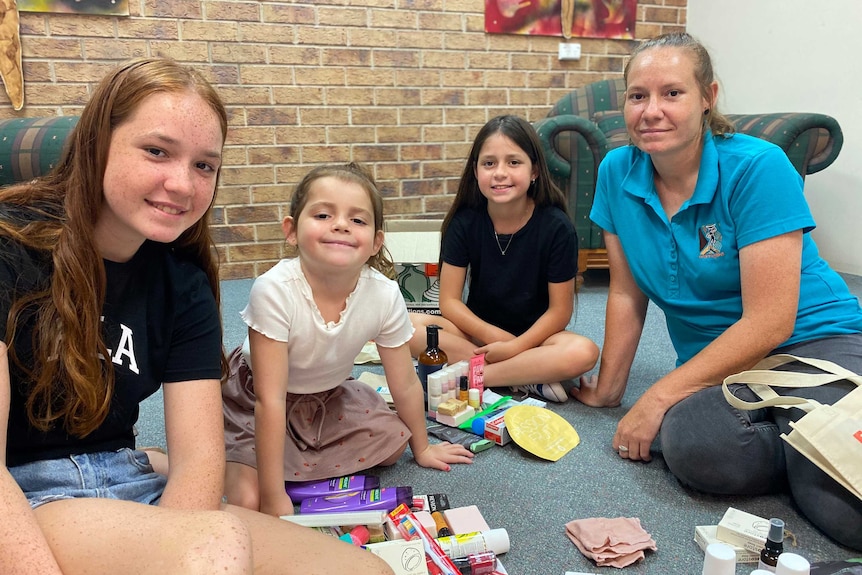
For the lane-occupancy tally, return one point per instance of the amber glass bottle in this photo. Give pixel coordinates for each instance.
(774, 546)
(433, 358)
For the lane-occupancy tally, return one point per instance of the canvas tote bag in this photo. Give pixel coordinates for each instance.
(828, 435)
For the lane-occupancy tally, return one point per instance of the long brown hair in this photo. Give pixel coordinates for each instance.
(70, 385)
(357, 174)
(543, 191)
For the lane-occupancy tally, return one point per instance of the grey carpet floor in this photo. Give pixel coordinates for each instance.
(533, 498)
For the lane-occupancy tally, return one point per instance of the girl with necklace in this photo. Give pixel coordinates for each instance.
(508, 228)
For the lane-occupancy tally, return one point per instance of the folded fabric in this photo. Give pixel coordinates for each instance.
(614, 542)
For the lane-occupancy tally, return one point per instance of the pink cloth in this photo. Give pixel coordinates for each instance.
(610, 542)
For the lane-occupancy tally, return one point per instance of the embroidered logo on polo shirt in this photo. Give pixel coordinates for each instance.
(710, 241)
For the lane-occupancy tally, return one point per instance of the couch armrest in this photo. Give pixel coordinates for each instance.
(574, 147)
(558, 153)
(31, 147)
(811, 141)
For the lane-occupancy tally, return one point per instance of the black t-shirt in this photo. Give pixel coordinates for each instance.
(511, 291)
(161, 325)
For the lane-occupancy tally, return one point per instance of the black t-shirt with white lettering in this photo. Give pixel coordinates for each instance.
(161, 325)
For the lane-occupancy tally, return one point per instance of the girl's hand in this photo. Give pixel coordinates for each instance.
(588, 393)
(277, 506)
(441, 455)
(498, 351)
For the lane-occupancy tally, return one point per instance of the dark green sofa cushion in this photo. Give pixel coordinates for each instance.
(31, 147)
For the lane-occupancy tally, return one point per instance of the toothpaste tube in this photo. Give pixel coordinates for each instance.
(477, 373)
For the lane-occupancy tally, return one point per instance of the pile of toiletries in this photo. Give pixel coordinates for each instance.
(741, 537)
(459, 407)
(414, 534)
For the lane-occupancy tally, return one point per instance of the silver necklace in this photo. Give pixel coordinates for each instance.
(512, 235)
(500, 246)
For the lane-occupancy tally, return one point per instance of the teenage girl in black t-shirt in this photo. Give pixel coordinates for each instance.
(108, 290)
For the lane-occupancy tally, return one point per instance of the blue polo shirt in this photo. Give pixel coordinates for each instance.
(747, 191)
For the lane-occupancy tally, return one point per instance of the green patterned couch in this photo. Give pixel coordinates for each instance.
(587, 123)
(31, 147)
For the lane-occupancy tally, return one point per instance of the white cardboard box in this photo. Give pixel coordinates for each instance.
(706, 534)
(405, 557)
(495, 430)
(743, 529)
(415, 249)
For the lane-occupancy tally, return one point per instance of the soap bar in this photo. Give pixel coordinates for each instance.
(458, 418)
(465, 520)
(451, 407)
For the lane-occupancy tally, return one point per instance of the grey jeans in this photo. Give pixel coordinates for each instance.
(713, 447)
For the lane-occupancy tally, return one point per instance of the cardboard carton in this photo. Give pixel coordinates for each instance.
(415, 249)
(743, 529)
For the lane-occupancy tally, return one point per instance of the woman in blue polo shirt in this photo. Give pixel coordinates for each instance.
(713, 228)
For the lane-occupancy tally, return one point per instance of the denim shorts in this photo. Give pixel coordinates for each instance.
(125, 474)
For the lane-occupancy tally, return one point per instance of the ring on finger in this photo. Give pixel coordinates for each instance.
(623, 449)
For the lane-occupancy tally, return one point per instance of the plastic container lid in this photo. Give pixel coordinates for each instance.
(776, 530)
(792, 564)
(478, 426)
(360, 534)
(719, 559)
(497, 540)
(435, 385)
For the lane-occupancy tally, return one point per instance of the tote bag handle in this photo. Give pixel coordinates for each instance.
(762, 376)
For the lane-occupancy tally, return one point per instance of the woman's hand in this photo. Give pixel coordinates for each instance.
(441, 455)
(277, 506)
(638, 428)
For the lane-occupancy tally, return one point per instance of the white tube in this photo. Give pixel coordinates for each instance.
(459, 546)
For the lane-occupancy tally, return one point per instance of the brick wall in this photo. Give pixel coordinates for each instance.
(401, 85)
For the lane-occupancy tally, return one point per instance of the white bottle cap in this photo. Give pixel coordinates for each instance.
(761, 572)
(497, 540)
(435, 386)
(719, 559)
(792, 564)
(473, 398)
(433, 402)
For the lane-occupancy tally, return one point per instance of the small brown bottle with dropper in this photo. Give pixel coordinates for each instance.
(433, 358)
(774, 546)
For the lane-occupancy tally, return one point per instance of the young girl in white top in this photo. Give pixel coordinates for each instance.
(308, 318)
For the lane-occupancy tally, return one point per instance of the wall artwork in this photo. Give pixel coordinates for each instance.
(104, 7)
(567, 18)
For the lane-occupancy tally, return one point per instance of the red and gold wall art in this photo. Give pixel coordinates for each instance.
(567, 18)
(109, 7)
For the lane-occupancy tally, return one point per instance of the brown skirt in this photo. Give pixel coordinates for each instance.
(338, 432)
